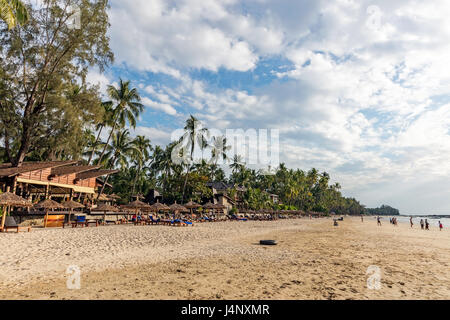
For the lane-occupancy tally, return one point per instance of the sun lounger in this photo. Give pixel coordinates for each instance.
(80, 221)
(153, 221)
(10, 223)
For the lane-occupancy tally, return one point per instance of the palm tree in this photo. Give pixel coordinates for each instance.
(219, 149)
(143, 147)
(194, 134)
(118, 153)
(237, 164)
(107, 120)
(13, 12)
(128, 107)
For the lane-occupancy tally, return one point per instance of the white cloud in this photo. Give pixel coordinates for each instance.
(167, 108)
(364, 96)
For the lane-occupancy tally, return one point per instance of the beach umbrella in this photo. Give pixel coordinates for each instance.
(105, 208)
(192, 205)
(48, 205)
(220, 207)
(209, 206)
(178, 208)
(9, 199)
(71, 205)
(160, 207)
(138, 205)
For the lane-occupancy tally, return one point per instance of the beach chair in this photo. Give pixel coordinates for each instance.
(80, 221)
(10, 223)
(153, 221)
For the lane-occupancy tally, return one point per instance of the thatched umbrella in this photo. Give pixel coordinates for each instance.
(105, 208)
(178, 208)
(192, 205)
(48, 205)
(220, 207)
(8, 199)
(160, 207)
(138, 205)
(209, 206)
(71, 205)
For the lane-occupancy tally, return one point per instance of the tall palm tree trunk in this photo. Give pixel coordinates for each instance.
(95, 145)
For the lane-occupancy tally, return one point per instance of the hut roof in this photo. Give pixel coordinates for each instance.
(160, 206)
(137, 205)
(192, 205)
(65, 170)
(10, 199)
(48, 204)
(72, 205)
(94, 174)
(178, 207)
(219, 206)
(209, 205)
(7, 170)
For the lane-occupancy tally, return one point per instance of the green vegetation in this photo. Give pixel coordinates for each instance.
(384, 210)
(13, 12)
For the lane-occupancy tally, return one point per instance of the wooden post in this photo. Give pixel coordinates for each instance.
(3, 218)
(71, 195)
(46, 192)
(45, 218)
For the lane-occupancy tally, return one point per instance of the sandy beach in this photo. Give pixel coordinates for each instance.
(313, 260)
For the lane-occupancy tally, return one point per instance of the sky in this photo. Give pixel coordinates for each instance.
(359, 89)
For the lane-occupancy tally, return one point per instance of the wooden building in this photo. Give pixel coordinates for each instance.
(42, 180)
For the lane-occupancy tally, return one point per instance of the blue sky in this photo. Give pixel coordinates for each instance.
(359, 89)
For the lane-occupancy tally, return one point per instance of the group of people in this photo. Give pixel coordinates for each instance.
(424, 224)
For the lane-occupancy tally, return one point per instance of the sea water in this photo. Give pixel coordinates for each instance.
(434, 221)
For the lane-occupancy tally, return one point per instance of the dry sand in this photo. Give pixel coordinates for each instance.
(313, 260)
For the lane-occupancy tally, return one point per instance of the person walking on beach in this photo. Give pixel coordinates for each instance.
(362, 218)
(378, 221)
(421, 224)
(427, 225)
(411, 222)
(440, 226)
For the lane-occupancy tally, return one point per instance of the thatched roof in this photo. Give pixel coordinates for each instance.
(10, 199)
(178, 207)
(72, 205)
(219, 206)
(48, 204)
(192, 205)
(94, 174)
(160, 207)
(105, 207)
(65, 170)
(137, 205)
(7, 170)
(209, 205)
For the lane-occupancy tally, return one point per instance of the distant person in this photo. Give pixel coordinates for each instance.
(395, 222)
(421, 224)
(440, 226)
(362, 218)
(427, 225)
(378, 221)
(411, 222)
